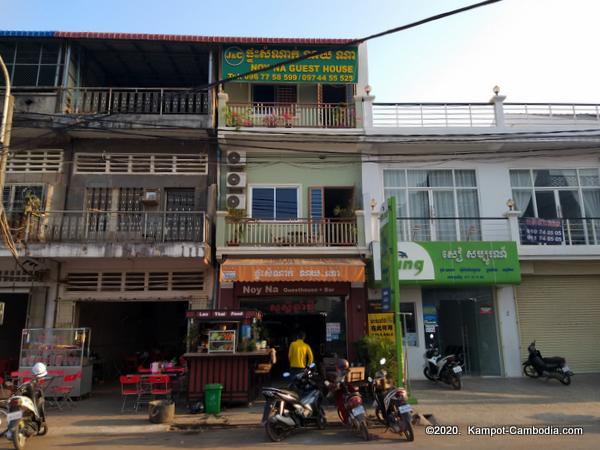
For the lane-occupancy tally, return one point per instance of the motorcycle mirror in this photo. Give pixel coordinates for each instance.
(382, 361)
(312, 366)
(286, 374)
(370, 380)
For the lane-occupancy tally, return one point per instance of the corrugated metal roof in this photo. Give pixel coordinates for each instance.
(16, 33)
(203, 39)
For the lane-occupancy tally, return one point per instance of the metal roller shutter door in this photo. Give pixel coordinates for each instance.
(562, 313)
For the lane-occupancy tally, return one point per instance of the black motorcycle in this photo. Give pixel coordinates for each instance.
(391, 405)
(26, 414)
(300, 406)
(555, 367)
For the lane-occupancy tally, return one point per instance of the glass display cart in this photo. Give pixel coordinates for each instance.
(65, 351)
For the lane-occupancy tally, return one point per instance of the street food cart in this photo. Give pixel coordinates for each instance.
(224, 347)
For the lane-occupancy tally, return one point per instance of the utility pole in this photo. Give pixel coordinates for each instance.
(5, 131)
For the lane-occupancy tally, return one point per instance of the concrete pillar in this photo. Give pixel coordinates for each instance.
(37, 307)
(227, 298)
(363, 105)
(222, 99)
(356, 311)
(497, 101)
(52, 294)
(509, 331)
(514, 233)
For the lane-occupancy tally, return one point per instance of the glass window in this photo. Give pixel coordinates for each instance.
(32, 63)
(394, 178)
(465, 178)
(275, 203)
(589, 177)
(408, 320)
(555, 178)
(15, 195)
(520, 178)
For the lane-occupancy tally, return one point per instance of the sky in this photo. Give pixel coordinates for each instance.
(534, 50)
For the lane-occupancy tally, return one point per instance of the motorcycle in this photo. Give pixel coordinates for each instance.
(446, 369)
(297, 407)
(555, 367)
(391, 405)
(348, 400)
(26, 410)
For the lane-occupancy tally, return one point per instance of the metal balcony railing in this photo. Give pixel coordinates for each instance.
(453, 229)
(433, 115)
(574, 231)
(291, 232)
(105, 100)
(110, 226)
(291, 115)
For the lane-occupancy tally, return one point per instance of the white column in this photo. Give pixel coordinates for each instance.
(222, 99)
(497, 101)
(363, 105)
(509, 331)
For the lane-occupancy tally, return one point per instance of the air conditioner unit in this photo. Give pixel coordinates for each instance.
(236, 158)
(236, 201)
(150, 197)
(236, 179)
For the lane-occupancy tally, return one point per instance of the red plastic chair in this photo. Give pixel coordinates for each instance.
(141, 369)
(159, 385)
(130, 387)
(62, 393)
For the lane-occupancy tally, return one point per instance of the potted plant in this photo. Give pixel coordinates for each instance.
(236, 218)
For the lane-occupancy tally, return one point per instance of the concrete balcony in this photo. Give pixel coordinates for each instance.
(307, 236)
(108, 234)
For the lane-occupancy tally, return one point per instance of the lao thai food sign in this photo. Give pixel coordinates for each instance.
(324, 66)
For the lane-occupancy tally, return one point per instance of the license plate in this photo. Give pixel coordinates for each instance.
(358, 411)
(405, 409)
(457, 369)
(14, 415)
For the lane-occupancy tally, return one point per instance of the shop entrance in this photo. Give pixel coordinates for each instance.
(323, 319)
(127, 334)
(12, 322)
(463, 322)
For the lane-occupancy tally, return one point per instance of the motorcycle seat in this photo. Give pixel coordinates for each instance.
(555, 361)
(285, 392)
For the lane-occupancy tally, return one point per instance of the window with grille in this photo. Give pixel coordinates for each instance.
(33, 64)
(142, 164)
(35, 161)
(134, 281)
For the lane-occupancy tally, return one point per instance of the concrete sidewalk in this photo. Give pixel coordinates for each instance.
(482, 401)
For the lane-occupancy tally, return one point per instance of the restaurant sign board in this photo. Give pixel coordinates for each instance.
(458, 263)
(381, 324)
(326, 66)
(223, 314)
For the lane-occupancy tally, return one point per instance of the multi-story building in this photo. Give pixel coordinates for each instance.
(110, 187)
(290, 225)
(476, 184)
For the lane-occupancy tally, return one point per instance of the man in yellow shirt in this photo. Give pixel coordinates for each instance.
(299, 354)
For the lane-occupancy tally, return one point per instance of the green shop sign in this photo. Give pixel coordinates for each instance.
(458, 263)
(332, 66)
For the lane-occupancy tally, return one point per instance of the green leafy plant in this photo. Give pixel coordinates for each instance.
(372, 348)
(238, 119)
(236, 217)
(342, 212)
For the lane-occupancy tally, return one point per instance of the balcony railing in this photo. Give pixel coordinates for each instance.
(448, 115)
(161, 101)
(291, 232)
(433, 115)
(110, 226)
(453, 229)
(291, 115)
(584, 231)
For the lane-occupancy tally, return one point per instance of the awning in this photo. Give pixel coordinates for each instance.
(324, 269)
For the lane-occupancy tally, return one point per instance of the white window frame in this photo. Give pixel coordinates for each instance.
(298, 188)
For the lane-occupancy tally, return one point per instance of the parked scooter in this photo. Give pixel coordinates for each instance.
(446, 369)
(298, 407)
(555, 367)
(391, 404)
(348, 400)
(26, 409)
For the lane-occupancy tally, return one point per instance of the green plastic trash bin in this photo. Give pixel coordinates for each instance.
(212, 398)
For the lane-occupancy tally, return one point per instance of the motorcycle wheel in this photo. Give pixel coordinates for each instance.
(530, 371)
(19, 438)
(409, 433)
(43, 429)
(566, 380)
(276, 432)
(427, 374)
(456, 383)
(363, 429)
(321, 420)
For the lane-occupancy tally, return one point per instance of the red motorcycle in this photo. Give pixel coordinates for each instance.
(348, 400)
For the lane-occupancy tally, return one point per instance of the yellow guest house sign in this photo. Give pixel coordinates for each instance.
(331, 66)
